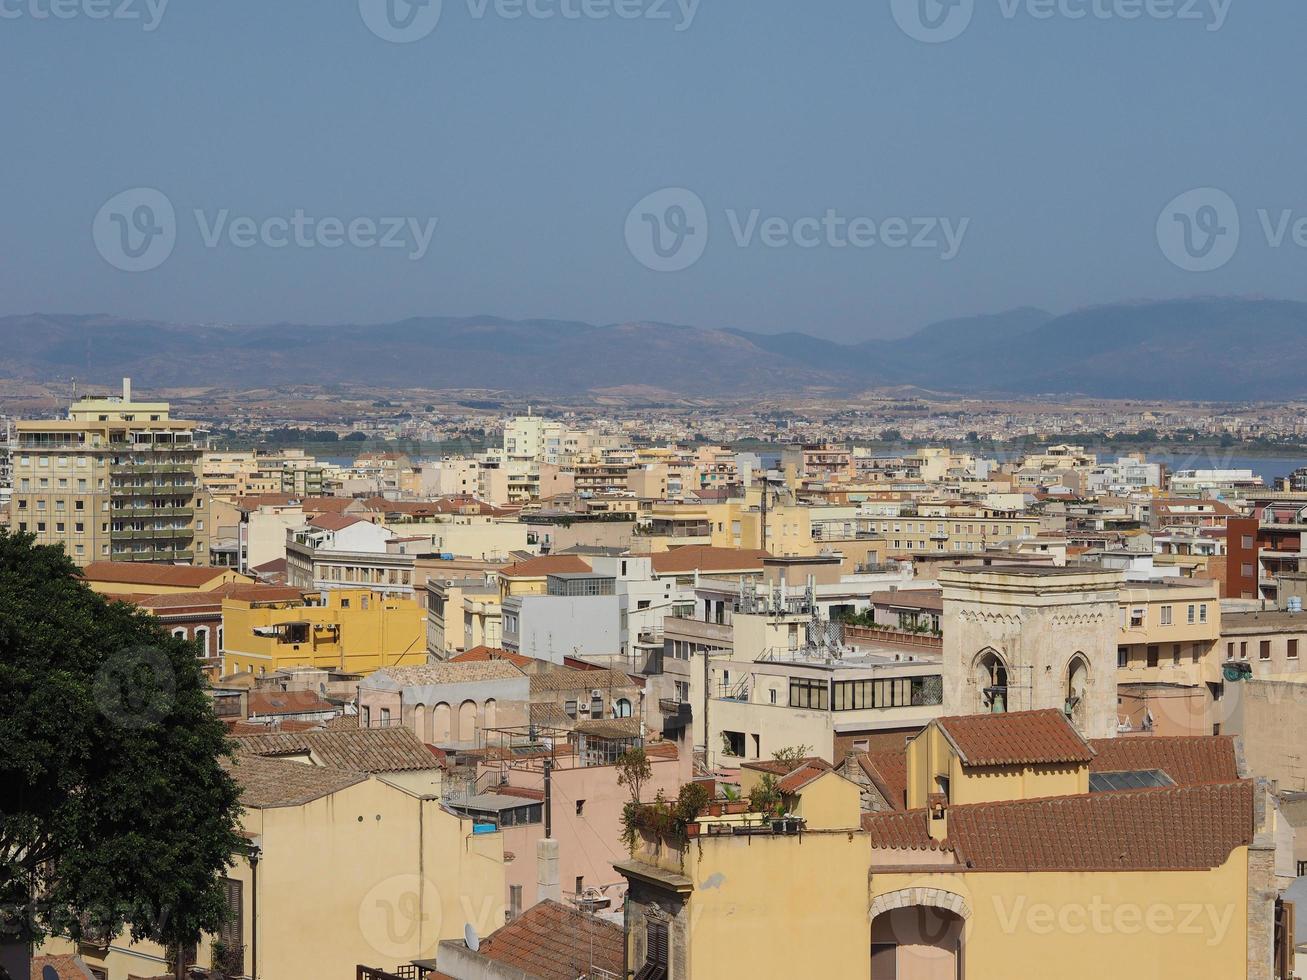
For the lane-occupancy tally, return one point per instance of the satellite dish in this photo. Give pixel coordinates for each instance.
(471, 938)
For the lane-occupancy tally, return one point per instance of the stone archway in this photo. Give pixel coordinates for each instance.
(918, 934)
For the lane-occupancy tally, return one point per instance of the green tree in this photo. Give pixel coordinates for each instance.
(114, 809)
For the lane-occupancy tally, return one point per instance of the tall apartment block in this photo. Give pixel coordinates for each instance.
(114, 481)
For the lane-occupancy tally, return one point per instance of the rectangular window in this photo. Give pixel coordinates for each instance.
(1136, 618)
(805, 693)
(1122, 657)
(1202, 613)
(1166, 615)
(1154, 655)
(734, 743)
(1264, 650)
(1193, 610)
(1175, 655)
(1229, 650)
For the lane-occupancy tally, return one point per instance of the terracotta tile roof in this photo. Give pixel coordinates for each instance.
(360, 750)
(546, 565)
(552, 941)
(782, 769)
(1185, 828)
(449, 672)
(610, 728)
(335, 522)
(662, 750)
(270, 567)
(901, 831)
(1015, 738)
(287, 703)
(144, 573)
(1188, 760)
(522, 791)
(267, 783)
(1181, 829)
(483, 653)
(706, 558)
(801, 777)
(66, 967)
(571, 679)
(888, 772)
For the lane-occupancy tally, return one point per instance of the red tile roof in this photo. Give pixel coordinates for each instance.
(287, 703)
(552, 941)
(1187, 828)
(144, 573)
(706, 558)
(546, 565)
(783, 769)
(484, 653)
(801, 777)
(66, 966)
(335, 522)
(1188, 760)
(1015, 738)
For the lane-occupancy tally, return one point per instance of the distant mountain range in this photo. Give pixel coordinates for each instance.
(1211, 349)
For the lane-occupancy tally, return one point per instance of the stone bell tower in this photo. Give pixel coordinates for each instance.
(1023, 637)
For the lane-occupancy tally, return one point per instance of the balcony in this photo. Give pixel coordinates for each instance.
(697, 631)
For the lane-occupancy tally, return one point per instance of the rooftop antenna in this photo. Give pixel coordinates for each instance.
(471, 938)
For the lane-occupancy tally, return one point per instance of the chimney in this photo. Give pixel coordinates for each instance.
(127, 389)
(937, 816)
(547, 870)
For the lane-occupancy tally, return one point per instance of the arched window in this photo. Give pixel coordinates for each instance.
(421, 720)
(440, 724)
(491, 712)
(180, 632)
(202, 639)
(220, 639)
(1077, 686)
(622, 708)
(990, 680)
(467, 722)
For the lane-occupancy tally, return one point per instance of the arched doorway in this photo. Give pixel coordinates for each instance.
(918, 934)
(989, 676)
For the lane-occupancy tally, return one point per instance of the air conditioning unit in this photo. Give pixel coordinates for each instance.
(596, 695)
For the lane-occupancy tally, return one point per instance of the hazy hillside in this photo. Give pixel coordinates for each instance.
(1179, 349)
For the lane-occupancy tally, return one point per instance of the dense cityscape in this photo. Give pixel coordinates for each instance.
(602, 672)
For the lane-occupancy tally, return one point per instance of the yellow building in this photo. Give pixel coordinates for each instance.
(353, 630)
(116, 480)
(1168, 657)
(121, 578)
(343, 867)
(1016, 858)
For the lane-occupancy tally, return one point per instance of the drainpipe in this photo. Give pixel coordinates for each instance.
(254, 912)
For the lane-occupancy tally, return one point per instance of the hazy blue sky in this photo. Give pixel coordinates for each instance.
(1058, 140)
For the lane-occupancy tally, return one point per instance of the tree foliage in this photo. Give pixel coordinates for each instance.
(114, 809)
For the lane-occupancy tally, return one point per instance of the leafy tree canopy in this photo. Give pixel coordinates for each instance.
(114, 809)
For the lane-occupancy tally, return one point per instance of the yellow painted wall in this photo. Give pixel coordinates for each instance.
(335, 890)
(830, 802)
(931, 755)
(1093, 925)
(390, 632)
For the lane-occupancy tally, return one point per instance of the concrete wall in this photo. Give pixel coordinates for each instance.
(1269, 716)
